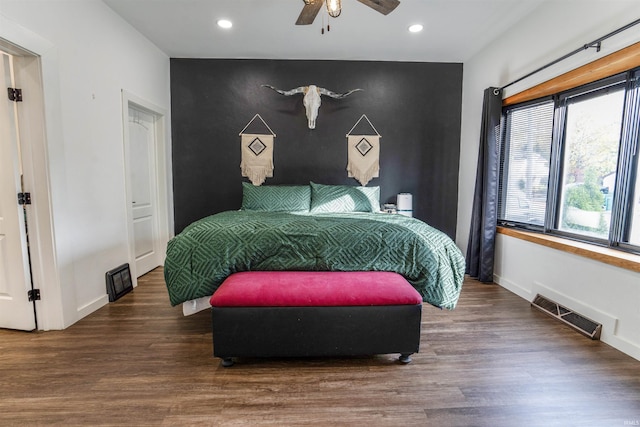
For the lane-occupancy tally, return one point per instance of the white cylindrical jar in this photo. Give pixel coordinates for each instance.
(404, 204)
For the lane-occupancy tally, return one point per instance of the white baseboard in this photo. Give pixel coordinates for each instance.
(92, 306)
(624, 346)
(514, 287)
(608, 321)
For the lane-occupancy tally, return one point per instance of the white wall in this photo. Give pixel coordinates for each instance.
(89, 55)
(606, 294)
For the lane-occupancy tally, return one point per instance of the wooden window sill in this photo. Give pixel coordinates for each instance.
(605, 255)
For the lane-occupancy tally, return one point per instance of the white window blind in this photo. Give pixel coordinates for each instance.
(525, 164)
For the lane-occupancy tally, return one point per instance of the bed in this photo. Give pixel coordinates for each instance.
(312, 228)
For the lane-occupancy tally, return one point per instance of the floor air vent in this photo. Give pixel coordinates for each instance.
(578, 322)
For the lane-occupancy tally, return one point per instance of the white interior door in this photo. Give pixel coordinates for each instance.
(143, 185)
(16, 311)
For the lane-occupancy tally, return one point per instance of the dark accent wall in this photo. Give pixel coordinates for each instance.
(416, 108)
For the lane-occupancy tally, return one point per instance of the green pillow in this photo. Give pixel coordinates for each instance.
(344, 198)
(276, 198)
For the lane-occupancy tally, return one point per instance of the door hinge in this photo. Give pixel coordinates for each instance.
(34, 295)
(14, 94)
(24, 198)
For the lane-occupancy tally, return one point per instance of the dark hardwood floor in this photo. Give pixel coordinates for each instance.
(493, 361)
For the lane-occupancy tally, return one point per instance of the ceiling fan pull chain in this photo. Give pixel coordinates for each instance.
(328, 25)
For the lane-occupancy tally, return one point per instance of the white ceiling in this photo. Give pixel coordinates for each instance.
(454, 30)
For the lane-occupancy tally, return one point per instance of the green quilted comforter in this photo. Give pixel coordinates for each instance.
(207, 251)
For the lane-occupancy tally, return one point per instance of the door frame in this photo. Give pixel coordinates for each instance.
(161, 208)
(35, 65)
(19, 312)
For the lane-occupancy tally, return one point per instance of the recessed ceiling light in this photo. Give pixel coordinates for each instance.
(416, 28)
(225, 23)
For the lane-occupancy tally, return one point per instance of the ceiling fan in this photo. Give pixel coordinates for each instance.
(312, 7)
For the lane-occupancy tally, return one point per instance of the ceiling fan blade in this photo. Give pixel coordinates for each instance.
(385, 7)
(309, 12)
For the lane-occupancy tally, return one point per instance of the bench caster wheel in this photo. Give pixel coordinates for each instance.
(405, 358)
(227, 361)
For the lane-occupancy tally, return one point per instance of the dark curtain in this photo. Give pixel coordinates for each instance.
(480, 251)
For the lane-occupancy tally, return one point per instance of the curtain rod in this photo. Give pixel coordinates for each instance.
(597, 44)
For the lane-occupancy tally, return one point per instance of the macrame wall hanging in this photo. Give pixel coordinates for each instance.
(363, 154)
(257, 154)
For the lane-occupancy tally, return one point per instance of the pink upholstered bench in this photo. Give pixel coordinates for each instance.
(312, 314)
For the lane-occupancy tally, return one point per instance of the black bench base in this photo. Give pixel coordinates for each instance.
(315, 331)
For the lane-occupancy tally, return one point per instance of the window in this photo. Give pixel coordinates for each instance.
(569, 164)
(631, 133)
(592, 137)
(525, 163)
(634, 232)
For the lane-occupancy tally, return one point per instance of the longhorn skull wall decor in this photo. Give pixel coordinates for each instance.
(311, 99)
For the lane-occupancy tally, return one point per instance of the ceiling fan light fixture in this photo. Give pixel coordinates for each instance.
(415, 28)
(224, 23)
(334, 7)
